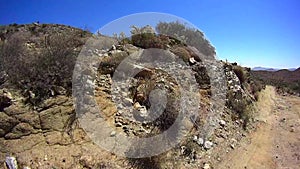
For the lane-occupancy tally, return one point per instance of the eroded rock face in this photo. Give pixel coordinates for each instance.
(37, 136)
(56, 118)
(50, 136)
(7, 123)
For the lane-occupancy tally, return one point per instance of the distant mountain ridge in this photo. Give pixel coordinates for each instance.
(270, 69)
(286, 79)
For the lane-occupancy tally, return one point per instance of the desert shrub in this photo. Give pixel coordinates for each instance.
(296, 86)
(145, 163)
(242, 106)
(145, 37)
(181, 52)
(125, 41)
(170, 114)
(15, 59)
(54, 65)
(236, 102)
(147, 40)
(188, 35)
(202, 77)
(248, 115)
(40, 73)
(256, 87)
(108, 65)
(240, 73)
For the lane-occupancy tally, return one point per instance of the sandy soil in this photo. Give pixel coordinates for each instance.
(276, 142)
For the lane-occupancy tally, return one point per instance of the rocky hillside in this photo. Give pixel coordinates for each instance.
(39, 127)
(285, 80)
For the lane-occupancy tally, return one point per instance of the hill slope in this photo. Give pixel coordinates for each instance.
(285, 80)
(39, 125)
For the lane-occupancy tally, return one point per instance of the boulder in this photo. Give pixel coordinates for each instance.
(208, 145)
(22, 129)
(56, 118)
(7, 123)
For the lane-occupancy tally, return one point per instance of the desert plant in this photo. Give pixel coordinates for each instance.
(147, 40)
(181, 52)
(240, 73)
(145, 37)
(145, 163)
(40, 72)
(108, 65)
(14, 58)
(188, 35)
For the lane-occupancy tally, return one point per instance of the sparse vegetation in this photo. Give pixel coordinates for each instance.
(41, 66)
(181, 52)
(40, 72)
(187, 35)
(237, 100)
(284, 80)
(147, 40)
(240, 73)
(109, 64)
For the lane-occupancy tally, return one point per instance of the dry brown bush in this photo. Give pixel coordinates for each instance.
(39, 72)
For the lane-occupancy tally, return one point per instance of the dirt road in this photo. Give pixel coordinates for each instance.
(276, 142)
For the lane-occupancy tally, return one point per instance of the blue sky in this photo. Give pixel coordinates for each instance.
(250, 32)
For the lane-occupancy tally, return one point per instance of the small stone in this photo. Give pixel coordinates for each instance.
(119, 124)
(200, 141)
(208, 145)
(182, 149)
(143, 111)
(195, 138)
(113, 134)
(222, 123)
(192, 60)
(232, 146)
(128, 102)
(124, 94)
(223, 135)
(137, 105)
(11, 162)
(206, 166)
(114, 47)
